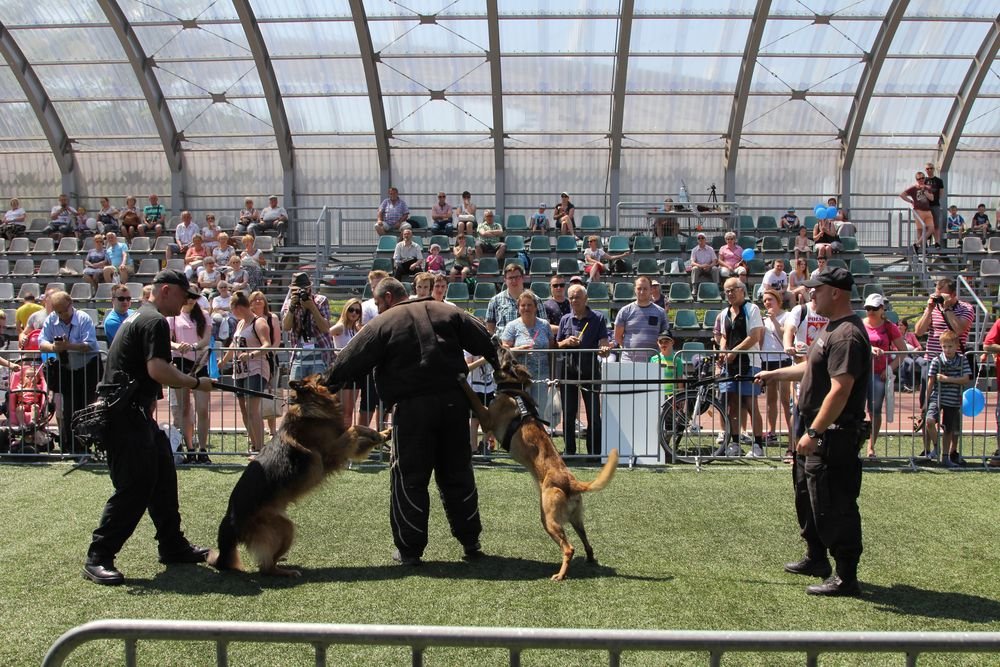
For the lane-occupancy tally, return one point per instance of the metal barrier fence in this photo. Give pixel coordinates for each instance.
(515, 641)
(665, 411)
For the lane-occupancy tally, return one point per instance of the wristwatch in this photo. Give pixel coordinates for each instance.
(813, 433)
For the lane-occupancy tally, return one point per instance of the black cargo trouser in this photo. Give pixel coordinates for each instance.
(571, 407)
(142, 470)
(827, 486)
(431, 434)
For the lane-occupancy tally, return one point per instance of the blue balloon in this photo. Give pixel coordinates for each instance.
(748, 254)
(973, 402)
(820, 211)
(831, 212)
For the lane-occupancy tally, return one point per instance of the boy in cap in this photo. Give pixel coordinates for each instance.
(672, 368)
(539, 221)
(789, 221)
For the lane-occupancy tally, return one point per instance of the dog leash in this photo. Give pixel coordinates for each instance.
(690, 383)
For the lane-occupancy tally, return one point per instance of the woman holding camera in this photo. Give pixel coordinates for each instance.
(306, 318)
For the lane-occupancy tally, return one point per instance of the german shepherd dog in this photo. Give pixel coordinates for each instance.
(530, 445)
(312, 443)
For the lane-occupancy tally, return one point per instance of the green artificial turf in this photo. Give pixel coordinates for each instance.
(678, 549)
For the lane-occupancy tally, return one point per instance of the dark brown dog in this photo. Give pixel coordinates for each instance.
(312, 443)
(530, 445)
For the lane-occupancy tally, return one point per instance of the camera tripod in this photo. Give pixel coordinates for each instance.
(713, 197)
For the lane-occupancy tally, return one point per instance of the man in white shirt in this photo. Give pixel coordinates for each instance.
(183, 236)
(777, 279)
(272, 217)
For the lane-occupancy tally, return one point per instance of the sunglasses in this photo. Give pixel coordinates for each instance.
(555, 285)
(124, 298)
(356, 311)
(871, 308)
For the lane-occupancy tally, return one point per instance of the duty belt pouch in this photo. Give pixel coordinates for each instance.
(91, 424)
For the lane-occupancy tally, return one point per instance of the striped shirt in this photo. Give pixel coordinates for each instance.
(949, 395)
(963, 311)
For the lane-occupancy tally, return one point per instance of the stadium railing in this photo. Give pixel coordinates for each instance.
(420, 638)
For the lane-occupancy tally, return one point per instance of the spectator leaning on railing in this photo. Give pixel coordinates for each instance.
(70, 334)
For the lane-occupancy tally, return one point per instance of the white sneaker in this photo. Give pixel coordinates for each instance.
(734, 450)
(755, 452)
(746, 439)
(933, 455)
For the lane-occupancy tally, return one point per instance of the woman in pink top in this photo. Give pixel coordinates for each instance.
(884, 336)
(731, 258)
(190, 335)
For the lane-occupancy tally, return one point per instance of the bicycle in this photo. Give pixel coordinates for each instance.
(693, 420)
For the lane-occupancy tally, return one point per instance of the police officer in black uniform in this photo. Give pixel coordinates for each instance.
(827, 470)
(139, 455)
(416, 350)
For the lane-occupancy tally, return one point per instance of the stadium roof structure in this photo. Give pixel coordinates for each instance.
(819, 85)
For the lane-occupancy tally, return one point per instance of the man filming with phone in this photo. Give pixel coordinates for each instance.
(305, 315)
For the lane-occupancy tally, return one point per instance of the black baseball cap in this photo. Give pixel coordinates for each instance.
(666, 332)
(171, 277)
(834, 277)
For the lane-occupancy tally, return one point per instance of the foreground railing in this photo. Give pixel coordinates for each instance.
(516, 640)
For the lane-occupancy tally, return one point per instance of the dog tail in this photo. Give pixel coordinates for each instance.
(603, 478)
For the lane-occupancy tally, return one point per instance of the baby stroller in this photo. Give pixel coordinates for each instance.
(29, 411)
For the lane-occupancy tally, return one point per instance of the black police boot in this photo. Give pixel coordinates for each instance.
(810, 567)
(103, 572)
(473, 552)
(834, 586)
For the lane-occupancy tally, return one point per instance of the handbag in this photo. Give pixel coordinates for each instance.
(272, 407)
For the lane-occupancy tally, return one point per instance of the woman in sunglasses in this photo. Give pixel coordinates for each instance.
(343, 331)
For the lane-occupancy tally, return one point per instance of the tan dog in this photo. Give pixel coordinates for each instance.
(530, 445)
(312, 443)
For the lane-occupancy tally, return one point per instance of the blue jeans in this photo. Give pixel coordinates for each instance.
(306, 363)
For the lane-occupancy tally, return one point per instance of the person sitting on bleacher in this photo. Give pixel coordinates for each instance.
(248, 216)
(463, 259)
(13, 220)
(209, 277)
(790, 222)
(565, 215)
(96, 262)
(596, 260)
(704, 263)
(153, 217)
(119, 260)
(83, 224)
(423, 283)
(107, 217)
(845, 228)
(407, 259)
(490, 233)
(272, 217)
(442, 215)
(28, 336)
(392, 213)
(121, 300)
(62, 217)
(223, 320)
(194, 256)
(183, 236)
(223, 250)
(435, 261)
(210, 233)
(980, 224)
(539, 221)
(130, 218)
(237, 276)
(731, 258)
